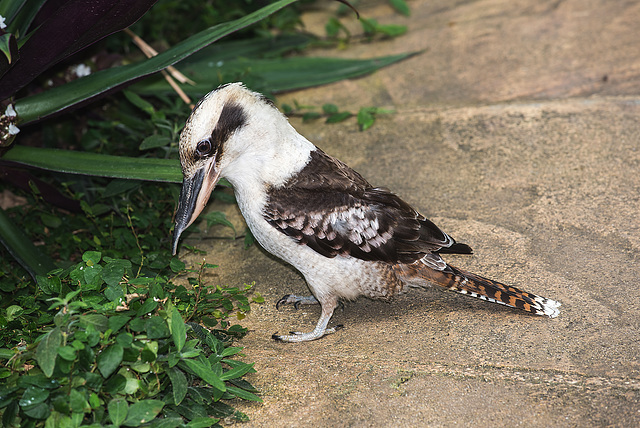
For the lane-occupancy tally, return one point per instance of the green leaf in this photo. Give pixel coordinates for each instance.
(114, 293)
(92, 277)
(116, 187)
(48, 285)
(20, 15)
(154, 141)
(72, 162)
(137, 324)
(169, 422)
(217, 217)
(249, 239)
(204, 372)
(9, 413)
(6, 354)
(78, 403)
(142, 412)
(147, 307)
(58, 98)
(333, 27)
(392, 30)
(5, 46)
(94, 401)
(115, 384)
(109, 359)
(125, 339)
(312, 115)
(241, 393)
(371, 27)
(22, 249)
(118, 409)
(179, 384)
(33, 395)
(116, 322)
(156, 328)
(365, 118)
(114, 270)
(236, 372)
(39, 380)
(274, 75)
(67, 352)
(202, 422)
(51, 221)
(48, 350)
(177, 265)
(132, 385)
(401, 7)
(140, 367)
(91, 257)
(37, 411)
(178, 330)
(231, 350)
(339, 117)
(137, 101)
(98, 321)
(8, 9)
(13, 312)
(330, 109)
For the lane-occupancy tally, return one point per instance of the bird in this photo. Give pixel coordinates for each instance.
(346, 237)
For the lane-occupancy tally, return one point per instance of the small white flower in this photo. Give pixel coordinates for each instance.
(13, 130)
(10, 112)
(2, 24)
(81, 70)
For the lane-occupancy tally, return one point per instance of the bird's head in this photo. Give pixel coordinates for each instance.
(233, 133)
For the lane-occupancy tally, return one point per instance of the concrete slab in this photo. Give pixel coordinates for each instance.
(507, 136)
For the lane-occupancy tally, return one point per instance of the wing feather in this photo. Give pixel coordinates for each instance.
(333, 210)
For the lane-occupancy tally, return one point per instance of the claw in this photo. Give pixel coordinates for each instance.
(283, 300)
(296, 300)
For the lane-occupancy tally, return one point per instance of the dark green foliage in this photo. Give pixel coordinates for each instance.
(126, 357)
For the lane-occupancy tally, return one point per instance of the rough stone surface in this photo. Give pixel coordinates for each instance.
(509, 136)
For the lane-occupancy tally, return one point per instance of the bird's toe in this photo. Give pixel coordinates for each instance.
(283, 301)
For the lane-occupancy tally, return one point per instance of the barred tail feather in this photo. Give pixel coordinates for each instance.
(480, 287)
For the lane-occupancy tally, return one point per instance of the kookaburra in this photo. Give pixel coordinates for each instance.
(346, 237)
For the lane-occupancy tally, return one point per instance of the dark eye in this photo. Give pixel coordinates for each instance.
(204, 148)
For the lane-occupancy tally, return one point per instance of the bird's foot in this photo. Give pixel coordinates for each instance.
(296, 301)
(297, 336)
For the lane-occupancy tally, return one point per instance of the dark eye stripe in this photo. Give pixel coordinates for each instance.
(231, 118)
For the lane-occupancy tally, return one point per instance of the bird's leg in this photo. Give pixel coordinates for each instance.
(320, 330)
(296, 300)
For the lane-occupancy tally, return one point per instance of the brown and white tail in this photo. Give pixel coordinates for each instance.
(477, 286)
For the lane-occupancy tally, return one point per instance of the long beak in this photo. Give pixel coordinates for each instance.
(193, 198)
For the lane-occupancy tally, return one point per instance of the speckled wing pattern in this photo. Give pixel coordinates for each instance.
(335, 211)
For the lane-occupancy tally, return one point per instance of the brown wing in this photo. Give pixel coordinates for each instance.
(333, 210)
